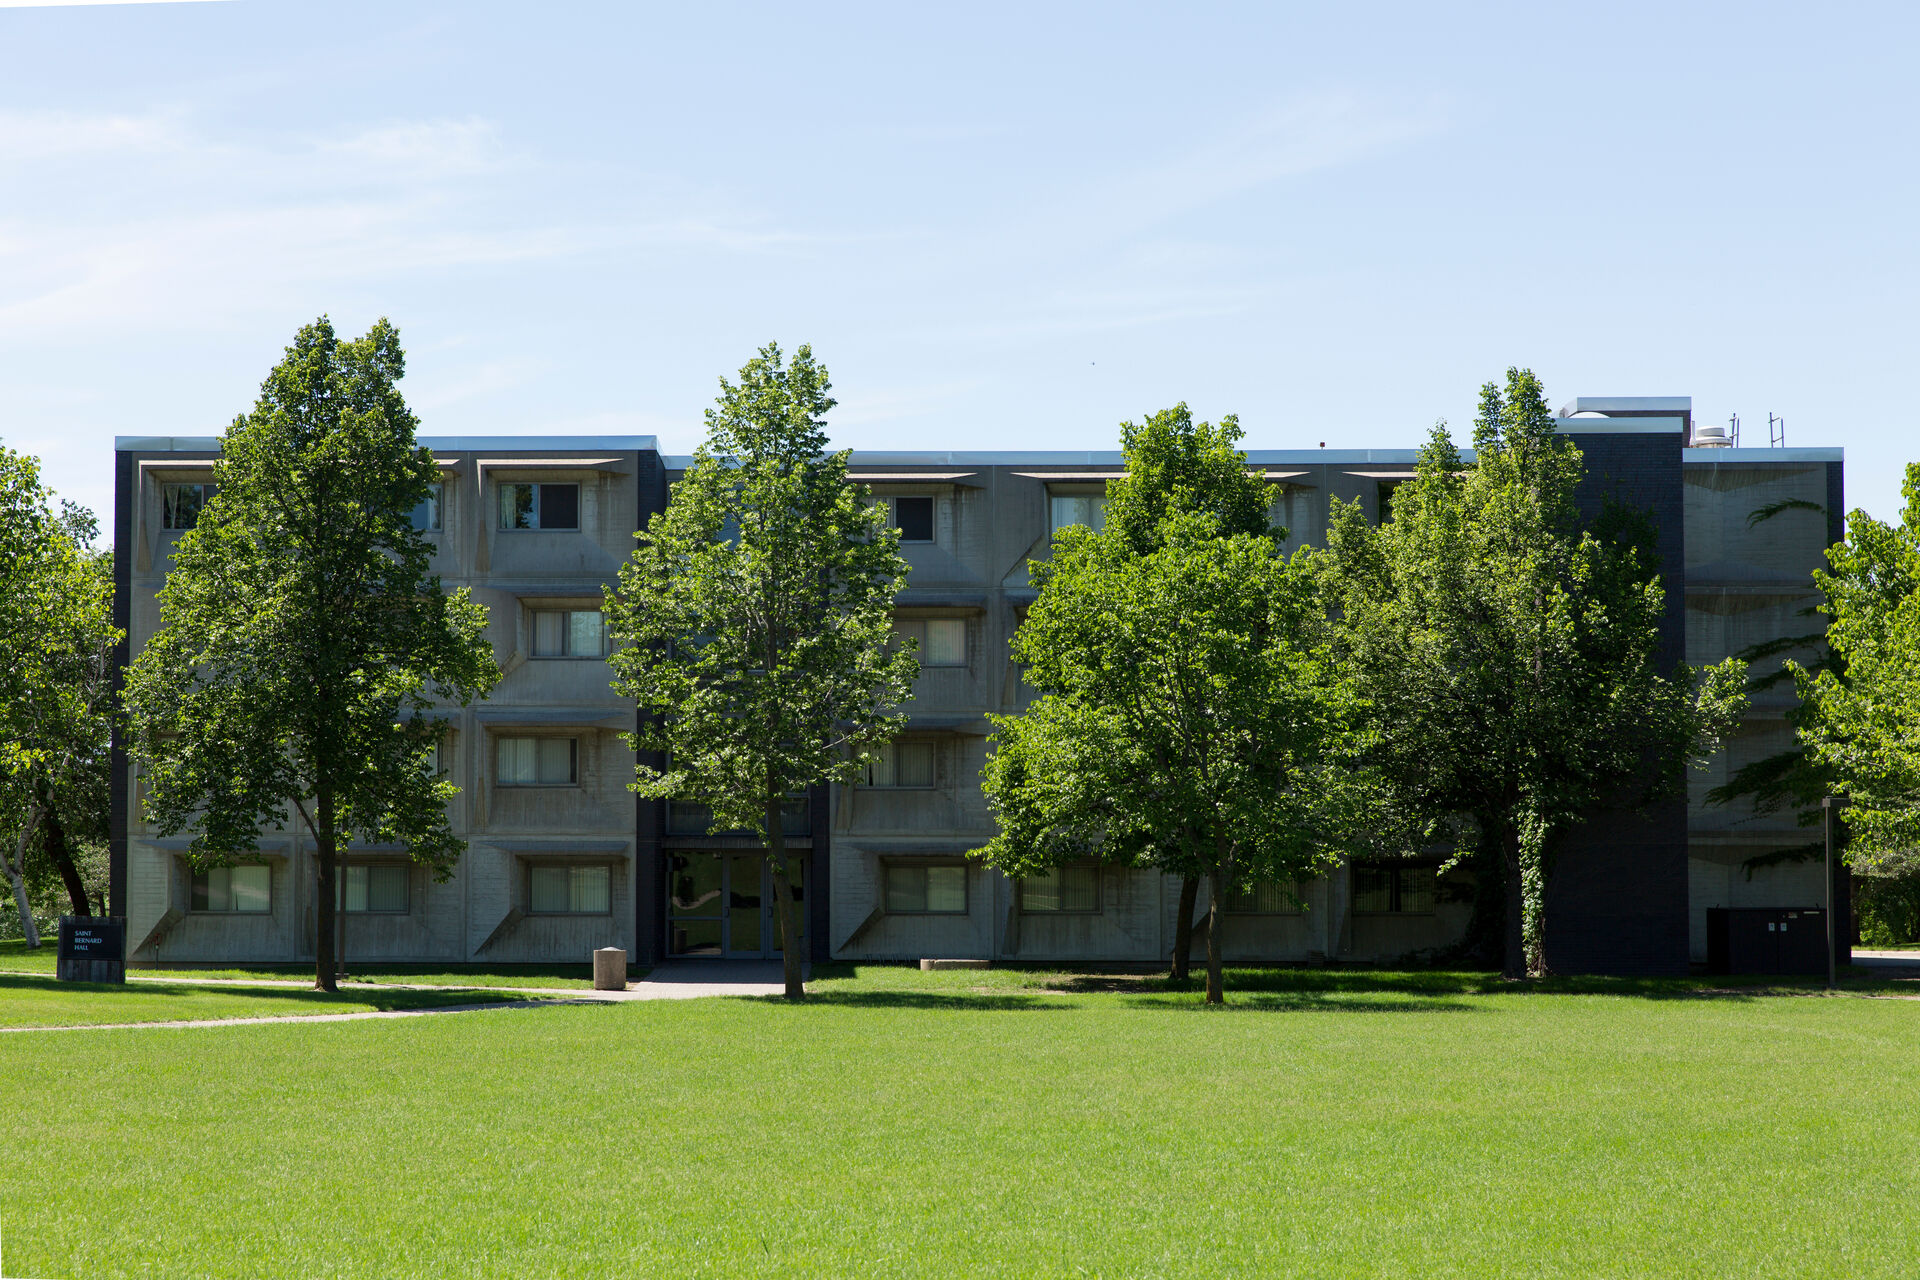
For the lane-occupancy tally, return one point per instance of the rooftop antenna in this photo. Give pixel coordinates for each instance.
(1776, 431)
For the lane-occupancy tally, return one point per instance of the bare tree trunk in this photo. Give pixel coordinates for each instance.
(791, 960)
(326, 857)
(17, 873)
(1183, 928)
(1216, 985)
(63, 862)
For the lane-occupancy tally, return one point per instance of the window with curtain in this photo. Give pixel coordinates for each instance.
(378, 888)
(902, 764)
(943, 641)
(245, 889)
(1070, 890)
(1089, 509)
(569, 889)
(537, 762)
(568, 633)
(426, 516)
(180, 504)
(539, 506)
(1266, 898)
(1393, 890)
(930, 889)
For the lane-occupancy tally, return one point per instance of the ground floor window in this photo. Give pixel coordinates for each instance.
(246, 889)
(379, 888)
(562, 889)
(1393, 891)
(931, 889)
(1070, 890)
(1266, 898)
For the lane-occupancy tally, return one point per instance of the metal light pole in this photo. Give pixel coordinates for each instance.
(1826, 821)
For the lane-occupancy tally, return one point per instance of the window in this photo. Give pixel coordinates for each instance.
(1266, 898)
(1393, 891)
(1385, 493)
(426, 516)
(1089, 509)
(538, 762)
(914, 518)
(943, 641)
(539, 506)
(569, 890)
(568, 633)
(246, 889)
(181, 504)
(379, 887)
(902, 764)
(926, 890)
(1072, 890)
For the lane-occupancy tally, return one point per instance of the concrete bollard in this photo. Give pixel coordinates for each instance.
(609, 969)
(928, 966)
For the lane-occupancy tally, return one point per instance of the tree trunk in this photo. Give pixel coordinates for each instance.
(1216, 985)
(326, 859)
(1183, 928)
(17, 873)
(783, 904)
(63, 862)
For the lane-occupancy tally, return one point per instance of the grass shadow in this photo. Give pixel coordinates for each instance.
(959, 1001)
(189, 993)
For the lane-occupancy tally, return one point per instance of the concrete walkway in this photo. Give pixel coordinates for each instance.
(1886, 959)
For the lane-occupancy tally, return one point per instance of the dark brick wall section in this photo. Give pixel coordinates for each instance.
(1617, 890)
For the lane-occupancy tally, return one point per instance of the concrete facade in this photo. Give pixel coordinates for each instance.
(1630, 893)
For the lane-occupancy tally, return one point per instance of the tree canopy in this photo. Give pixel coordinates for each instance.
(305, 651)
(1509, 657)
(758, 608)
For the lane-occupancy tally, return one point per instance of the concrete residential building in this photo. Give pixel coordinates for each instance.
(562, 858)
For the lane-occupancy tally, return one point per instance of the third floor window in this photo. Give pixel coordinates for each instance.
(539, 506)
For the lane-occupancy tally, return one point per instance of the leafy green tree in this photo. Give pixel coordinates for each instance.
(759, 605)
(303, 645)
(1509, 657)
(56, 642)
(1175, 464)
(1191, 716)
(1861, 720)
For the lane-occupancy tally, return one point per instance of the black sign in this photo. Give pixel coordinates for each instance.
(93, 949)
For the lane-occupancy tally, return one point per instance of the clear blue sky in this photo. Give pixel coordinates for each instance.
(999, 226)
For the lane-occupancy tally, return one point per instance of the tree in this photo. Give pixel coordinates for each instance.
(1175, 464)
(759, 605)
(303, 645)
(1191, 716)
(1861, 715)
(1509, 657)
(56, 642)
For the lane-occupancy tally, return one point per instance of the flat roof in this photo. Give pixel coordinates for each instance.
(211, 444)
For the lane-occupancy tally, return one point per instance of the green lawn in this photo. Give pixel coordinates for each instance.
(32, 1000)
(1006, 1123)
(15, 958)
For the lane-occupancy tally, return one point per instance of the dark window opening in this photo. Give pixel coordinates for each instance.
(914, 516)
(1393, 891)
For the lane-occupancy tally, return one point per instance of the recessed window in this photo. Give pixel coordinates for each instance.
(1265, 898)
(1089, 509)
(943, 641)
(181, 504)
(246, 889)
(539, 506)
(1393, 891)
(914, 518)
(568, 633)
(902, 764)
(379, 888)
(1385, 498)
(921, 889)
(562, 889)
(426, 516)
(1071, 890)
(538, 762)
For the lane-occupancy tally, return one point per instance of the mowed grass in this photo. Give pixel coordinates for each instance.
(1000, 1124)
(31, 1000)
(16, 958)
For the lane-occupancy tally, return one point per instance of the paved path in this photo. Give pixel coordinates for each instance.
(1886, 959)
(673, 981)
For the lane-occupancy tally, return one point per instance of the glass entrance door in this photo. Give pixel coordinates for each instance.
(721, 905)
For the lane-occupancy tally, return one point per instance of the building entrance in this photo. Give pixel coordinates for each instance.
(721, 904)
